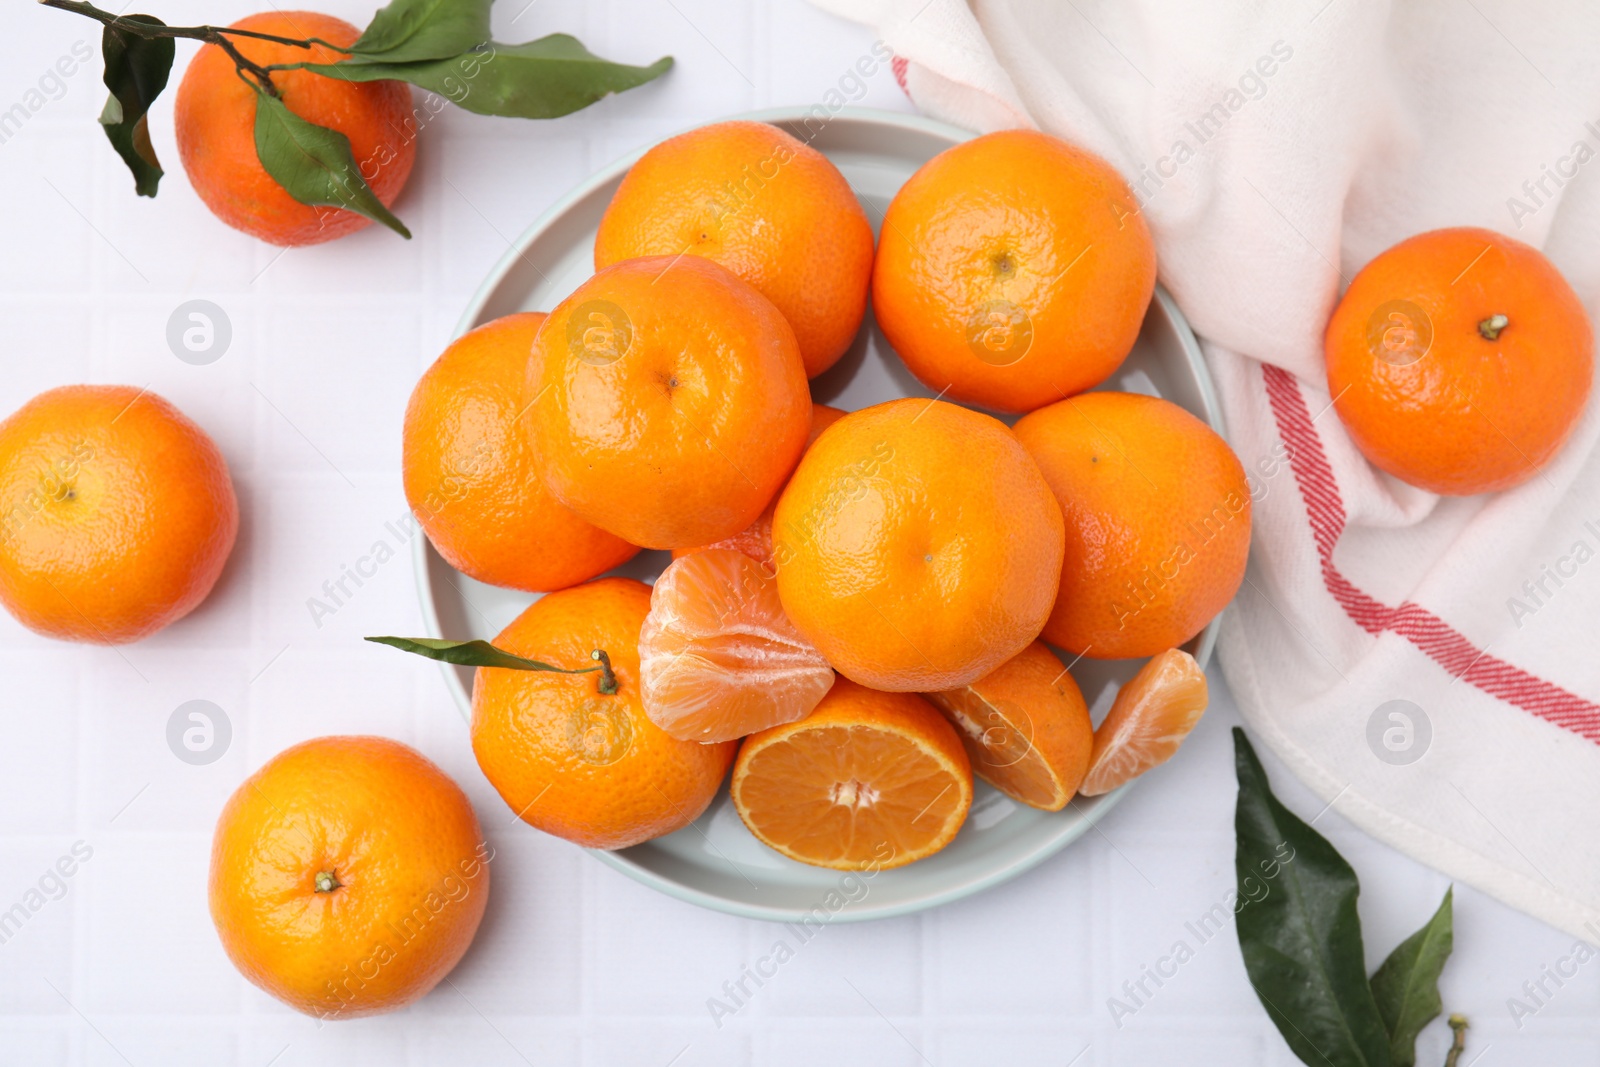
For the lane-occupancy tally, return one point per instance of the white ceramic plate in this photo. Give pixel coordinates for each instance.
(715, 862)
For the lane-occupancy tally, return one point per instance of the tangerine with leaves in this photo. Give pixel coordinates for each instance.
(348, 876)
(215, 116)
(669, 401)
(1460, 361)
(116, 514)
(574, 754)
(770, 208)
(473, 479)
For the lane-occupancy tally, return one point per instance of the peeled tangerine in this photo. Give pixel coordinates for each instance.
(1147, 722)
(718, 657)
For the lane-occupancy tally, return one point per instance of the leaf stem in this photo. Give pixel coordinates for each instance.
(217, 35)
(1458, 1027)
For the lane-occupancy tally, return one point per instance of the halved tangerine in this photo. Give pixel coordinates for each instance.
(867, 781)
(1148, 720)
(718, 657)
(1025, 727)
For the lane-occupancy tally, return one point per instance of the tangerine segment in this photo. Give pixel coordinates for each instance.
(1147, 722)
(718, 657)
(867, 781)
(1025, 727)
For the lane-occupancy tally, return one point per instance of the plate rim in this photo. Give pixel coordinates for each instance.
(618, 860)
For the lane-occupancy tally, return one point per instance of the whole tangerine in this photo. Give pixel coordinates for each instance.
(348, 876)
(473, 479)
(1460, 361)
(765, 205)
(917, 546)
(116, 514)
(1157, 513)
(575, 755)
(1013, 270)
(669, 401)
(214, 119)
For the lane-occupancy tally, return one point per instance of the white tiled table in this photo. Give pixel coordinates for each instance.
(574, 962)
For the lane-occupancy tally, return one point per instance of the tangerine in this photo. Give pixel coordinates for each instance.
(1460, 361)
(473, 479)
(1013, 270)
(770, 208)
(215, 114)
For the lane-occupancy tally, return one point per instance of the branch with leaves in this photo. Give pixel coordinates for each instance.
(1303, 951)
(437, 45)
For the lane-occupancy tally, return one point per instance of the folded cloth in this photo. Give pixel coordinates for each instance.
(1425, 664)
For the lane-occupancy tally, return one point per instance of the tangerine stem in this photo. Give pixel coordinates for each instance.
(327, 882)
(1490, 327)
(608, 677)
(1458, 1045)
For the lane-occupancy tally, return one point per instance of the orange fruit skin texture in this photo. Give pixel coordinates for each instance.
(917, 546)
(472, 477)
(398, 836)
(1013, 270)
(1158, 521)
(669, 401)
(1472, 415)
(768, 207)
(214, 119)
(1025, 727)
(571, 760)
(755, 540)
(868, 781)
(116, 514)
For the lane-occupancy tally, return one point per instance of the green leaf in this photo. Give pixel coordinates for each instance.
(1302, 940)
(136, 71)
(314, 164)
(471, 654)
(411, 30)
(1406, 987)
(541, 79)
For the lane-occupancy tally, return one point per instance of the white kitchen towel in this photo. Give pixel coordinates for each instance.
(1427, 665)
